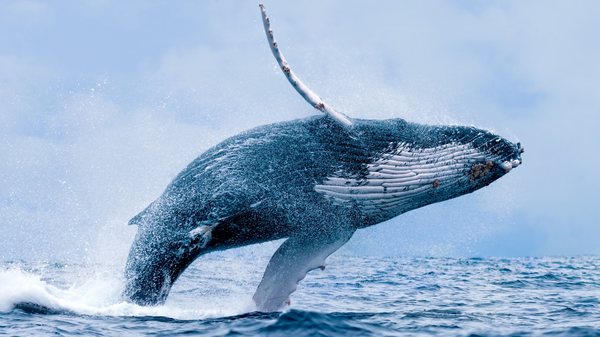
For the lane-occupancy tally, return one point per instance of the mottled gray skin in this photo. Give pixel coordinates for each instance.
(259, 186)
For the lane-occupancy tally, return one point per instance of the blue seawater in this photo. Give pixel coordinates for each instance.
(353, 296)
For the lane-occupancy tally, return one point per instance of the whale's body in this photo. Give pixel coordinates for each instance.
(311, 181)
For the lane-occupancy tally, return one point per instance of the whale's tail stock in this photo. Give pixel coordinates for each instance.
(156, 259)
(149, 273)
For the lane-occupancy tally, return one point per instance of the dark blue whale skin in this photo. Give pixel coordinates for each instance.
(259, 186)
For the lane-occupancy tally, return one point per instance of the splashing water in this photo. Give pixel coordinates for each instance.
(353, 296)
(96, 291)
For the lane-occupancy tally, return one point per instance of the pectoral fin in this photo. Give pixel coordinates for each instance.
(289, 265)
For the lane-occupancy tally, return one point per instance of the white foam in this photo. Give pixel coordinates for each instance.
(100, 295)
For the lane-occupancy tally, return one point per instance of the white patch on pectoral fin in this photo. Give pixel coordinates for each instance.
(197, 238)
(290, 264)
(202, 235)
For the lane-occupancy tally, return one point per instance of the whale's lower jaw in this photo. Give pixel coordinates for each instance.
(405, 178)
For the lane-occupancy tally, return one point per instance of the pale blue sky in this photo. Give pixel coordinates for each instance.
(104, 102)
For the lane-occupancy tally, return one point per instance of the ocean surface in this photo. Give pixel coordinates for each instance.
(353, 296)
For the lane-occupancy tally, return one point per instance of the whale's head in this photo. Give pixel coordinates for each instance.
(444, 162)
(469, 158)
(480, 156)
(413, 165)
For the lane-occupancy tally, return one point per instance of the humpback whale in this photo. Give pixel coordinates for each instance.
(312, 181)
